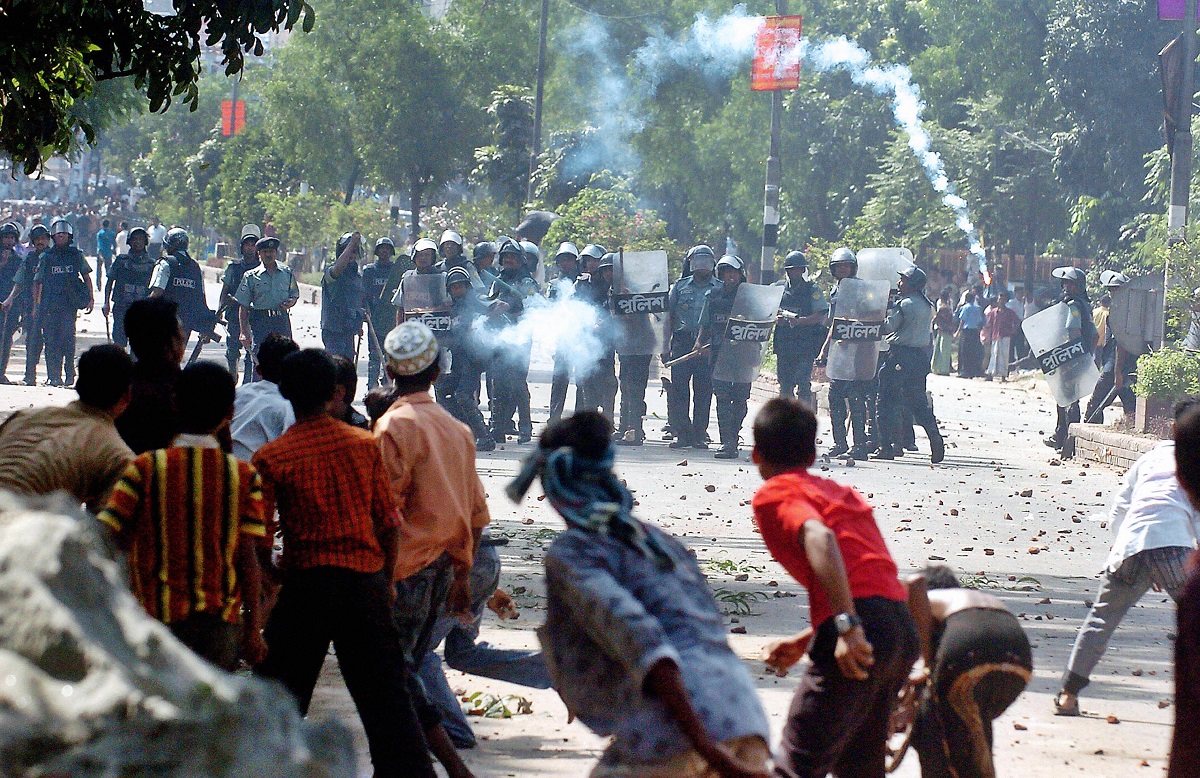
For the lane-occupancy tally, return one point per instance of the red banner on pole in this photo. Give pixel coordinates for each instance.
(777, 54)
(233, 117)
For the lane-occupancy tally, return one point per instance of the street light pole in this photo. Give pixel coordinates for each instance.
(763, 271)
(1181, 160)
(536, 148)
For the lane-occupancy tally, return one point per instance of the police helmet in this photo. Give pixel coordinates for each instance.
(566, 250)
(508, 246)
(342, 243)
(138, 231)
(1111, 279)
(251, 231)
(268, 242)
(700, 251)
(1069, 273)
(450, 236)
(730, 260)
(795, 260)
(424, 244)
(38, 231)
(385, 242)
(457, 275)
(10, 229)
(532, 253)
(484, 249)
(177, 239)
(61, 227)
(915, 276)
(593, 251)
(843, 256)
(608, 260)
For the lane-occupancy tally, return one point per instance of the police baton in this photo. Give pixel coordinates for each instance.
(373, 339)
(107, 329)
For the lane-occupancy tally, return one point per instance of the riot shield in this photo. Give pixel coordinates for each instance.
(1136, 314)
(424, 298)
(639, 301)
(751, 321)
(859, 310)
(1067, 363)
(884, 264)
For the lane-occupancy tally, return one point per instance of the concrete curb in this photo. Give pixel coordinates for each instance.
(1099, 444)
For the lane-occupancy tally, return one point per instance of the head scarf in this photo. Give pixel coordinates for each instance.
(590, 497)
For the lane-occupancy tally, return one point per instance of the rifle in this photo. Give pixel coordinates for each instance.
(202, 338)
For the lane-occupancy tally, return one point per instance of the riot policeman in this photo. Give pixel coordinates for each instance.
(691, 381)
(128, 281)
(532, 261)
(732, 398)
(799, 330)
(178, 278)
(20, 300)
(1079, 327)
(246, 261)
(483, 256)
(450, 246)
(342, 299)
(846, 397)
(567, 261)
(510, 365)
(598, 381)
(905, 369)
(10, 265)
(379, 285)
(266, 296)
(62, 286)
(1118, 368)
(459, 390)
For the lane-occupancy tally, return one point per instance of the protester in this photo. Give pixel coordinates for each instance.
(634, 639)
(151, 421)
(864, 640)
(158, 235)
(260, 414)
(106, 243)
(998, 331)
(977, 661)
(1185, 745)
(945, 324)
(429, 461)
(342, 405)
(970, 346)
(341, 537)
(1156, 530)
(191, 518)
(75, 449)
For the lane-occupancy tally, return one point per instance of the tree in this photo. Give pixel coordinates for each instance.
(57, 51)
(606, 212)
(503, 166)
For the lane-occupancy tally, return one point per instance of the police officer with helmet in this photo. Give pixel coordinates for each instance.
(266, 296)
(20, 300)
(128, 281)
(689, 395)
(1079, 326)
(567, 261)
(846, 398)
(902, 378)
(732, 398)
(10, 265)
(342, 298)
(511, 360)
(379, 284)
(246, 261)
(799, 330)
(178, 278)
(1118, 368)
(450, 246)
(63, 286)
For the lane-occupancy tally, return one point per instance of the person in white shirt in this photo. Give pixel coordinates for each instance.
(158, 234)
(1156, 531)
(260, 414)
(122, 241)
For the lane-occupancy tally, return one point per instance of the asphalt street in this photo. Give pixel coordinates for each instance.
(1001, 508)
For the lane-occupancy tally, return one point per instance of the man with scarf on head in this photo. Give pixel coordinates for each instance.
(691, 381)
(231, 279)
(1080, 326)
(128, 282)
(633, 638)
(341, 299)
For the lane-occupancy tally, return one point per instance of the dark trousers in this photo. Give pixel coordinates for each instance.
(690, 390)
(511, 382)
(458, 392)
(600, 386)
(838, 725)
(1066, 417)
(58, 334)
(118, 326)
(970, 354)
(212, 637)
(376, 375)
(339, 344)
(420, 600)
(635, 375)
(264, 323)
(902, 397)
(732, 406)
(32, 324)
(233, 347)
(1108, 372)
(1185, 745)
(794, 370)
(849, 399)
(8, 332)
(559, 385)
(351, 610)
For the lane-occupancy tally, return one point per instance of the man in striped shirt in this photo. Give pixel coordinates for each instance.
(190, 517)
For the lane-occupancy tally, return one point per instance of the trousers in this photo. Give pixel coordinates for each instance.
(689, 396)
(33, 326)
(794, 370)
(511, 384)
(902, 396)
(635, 375)
(1108, 372)
(58, 335)
(560, 383)
(849, 399)
(1066, 417)
(732, 407)
(339, 344)
(458, 392)
(1120, 590)
(233, 347)
(600, 386)
(8, 331)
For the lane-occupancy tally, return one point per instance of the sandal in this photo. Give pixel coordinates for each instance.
(1065, 710)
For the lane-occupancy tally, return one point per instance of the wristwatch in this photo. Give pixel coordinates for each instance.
(846, 622)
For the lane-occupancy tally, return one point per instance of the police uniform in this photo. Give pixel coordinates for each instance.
(379, 286)
(459, 390)
(1108, 355)
(598, 381)
(262, 293)
(902, 378)
(1079, 325)
(849, 398)
(797, 345)
(128, 282)
(560, 382)
(691, 381)
(31, 318)
(510, 363)
(182, 281)
(60, 272)
(732, 398)
(231, 280)
(10, 265)
(341, 310)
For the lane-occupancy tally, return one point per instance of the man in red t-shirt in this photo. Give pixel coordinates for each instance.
(863, 640)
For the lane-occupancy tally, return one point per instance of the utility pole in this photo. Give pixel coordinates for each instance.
(763, 271)
(1181, 159)
(537, 101)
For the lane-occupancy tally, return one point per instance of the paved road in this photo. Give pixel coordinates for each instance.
(969, 511)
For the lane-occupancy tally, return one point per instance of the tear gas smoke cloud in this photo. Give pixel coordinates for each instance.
(718, 49)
